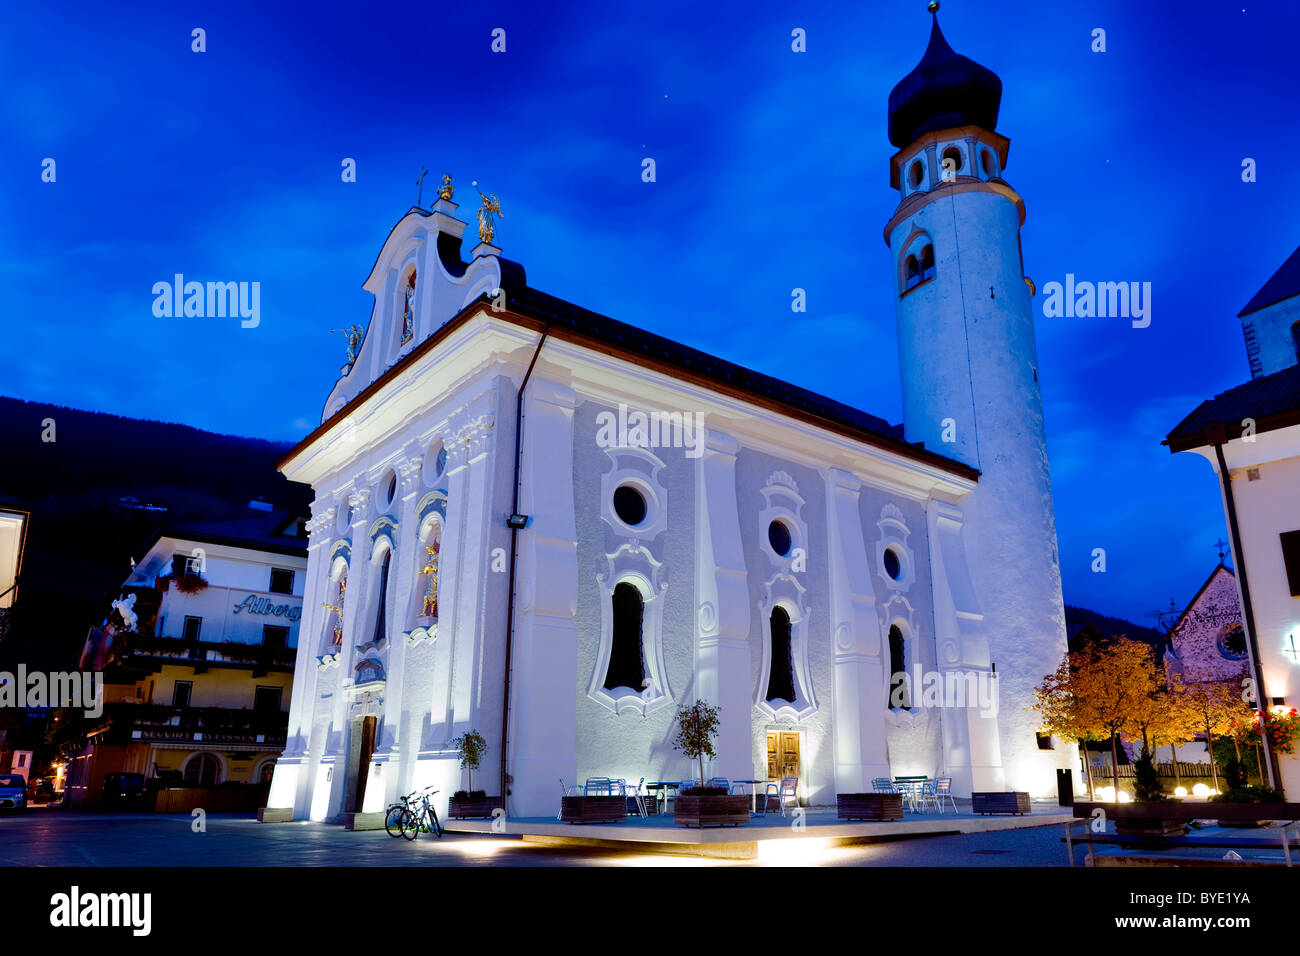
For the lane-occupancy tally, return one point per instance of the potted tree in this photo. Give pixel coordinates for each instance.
(697, 726)
(471, 803)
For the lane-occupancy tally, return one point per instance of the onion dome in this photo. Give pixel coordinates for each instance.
(944, 91)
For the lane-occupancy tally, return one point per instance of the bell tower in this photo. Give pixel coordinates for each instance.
(969, 369)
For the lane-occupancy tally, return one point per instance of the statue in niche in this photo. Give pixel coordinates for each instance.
(408, 309)
(430, 569)
(338, 611)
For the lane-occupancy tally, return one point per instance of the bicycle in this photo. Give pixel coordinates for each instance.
(403, 810)
(424, 818)
(394, 814)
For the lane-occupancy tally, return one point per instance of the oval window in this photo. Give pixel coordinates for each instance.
(629, 505)
(893, 567)
(778, 536)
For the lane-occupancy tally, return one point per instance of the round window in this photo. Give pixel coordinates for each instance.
(915, 174)
(1232, 642)
(893, 567)
(629, 505)
(778, 536)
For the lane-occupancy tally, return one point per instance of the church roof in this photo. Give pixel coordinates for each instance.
(530, 306)
(272, 531)
(944, 91)
(1273, 401)
(1284, 284)
(657, 350)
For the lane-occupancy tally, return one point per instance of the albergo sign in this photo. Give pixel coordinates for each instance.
(262, 605)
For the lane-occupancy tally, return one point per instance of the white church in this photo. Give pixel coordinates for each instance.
(548, 526)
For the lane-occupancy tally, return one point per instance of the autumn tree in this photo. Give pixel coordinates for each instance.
(1214, 705)
(1097, 692)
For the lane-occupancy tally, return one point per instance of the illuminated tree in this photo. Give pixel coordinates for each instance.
(1098, 692)
(1214, 706)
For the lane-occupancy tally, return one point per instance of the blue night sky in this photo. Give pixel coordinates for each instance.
(773, 173)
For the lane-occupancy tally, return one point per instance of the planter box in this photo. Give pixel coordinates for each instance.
(458, 808)
(1150, 826)
(730, 810)
(593, 809)
(1015, 802)
(869, 806)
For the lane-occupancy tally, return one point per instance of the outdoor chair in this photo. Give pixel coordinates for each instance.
(598, 786)
(927, 796)
(789, 787)
(943, 791)
(883, 785)
(635, 797)
(719, 782)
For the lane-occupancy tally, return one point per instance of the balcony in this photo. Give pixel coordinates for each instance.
(202, 654)
(158, 723)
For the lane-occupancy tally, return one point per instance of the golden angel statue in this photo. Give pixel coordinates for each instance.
(431, 590)
(486, 222)
(446, 189)
(337, 609)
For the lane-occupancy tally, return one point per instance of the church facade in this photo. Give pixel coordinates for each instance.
(556, 529)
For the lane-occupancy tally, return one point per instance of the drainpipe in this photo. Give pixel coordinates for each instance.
(514, 555)
(1217, 436)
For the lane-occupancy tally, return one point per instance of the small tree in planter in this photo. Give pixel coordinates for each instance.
(471, 746)
(471, 803)
(697, 726)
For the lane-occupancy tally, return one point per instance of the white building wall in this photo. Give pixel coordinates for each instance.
(1266, 508)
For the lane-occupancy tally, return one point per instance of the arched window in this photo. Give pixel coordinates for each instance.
(381, 620)
(266, 772)
(780, 678)
(626, 659)
(899, 688)
(408, 307)
(202, 770)
(911, 273)
(927, 262)
(918, 261)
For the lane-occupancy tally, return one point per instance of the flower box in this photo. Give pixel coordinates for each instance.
(593, 809)
(471, 805)
(711, 811)
(869, 806)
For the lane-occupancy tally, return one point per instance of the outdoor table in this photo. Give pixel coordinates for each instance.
(753, 789)
(664, 786)
(910, 786)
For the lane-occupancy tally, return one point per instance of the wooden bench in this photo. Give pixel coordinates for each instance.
(869, 806)
(593, 809)
(1286, 813)
(1014, 802)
